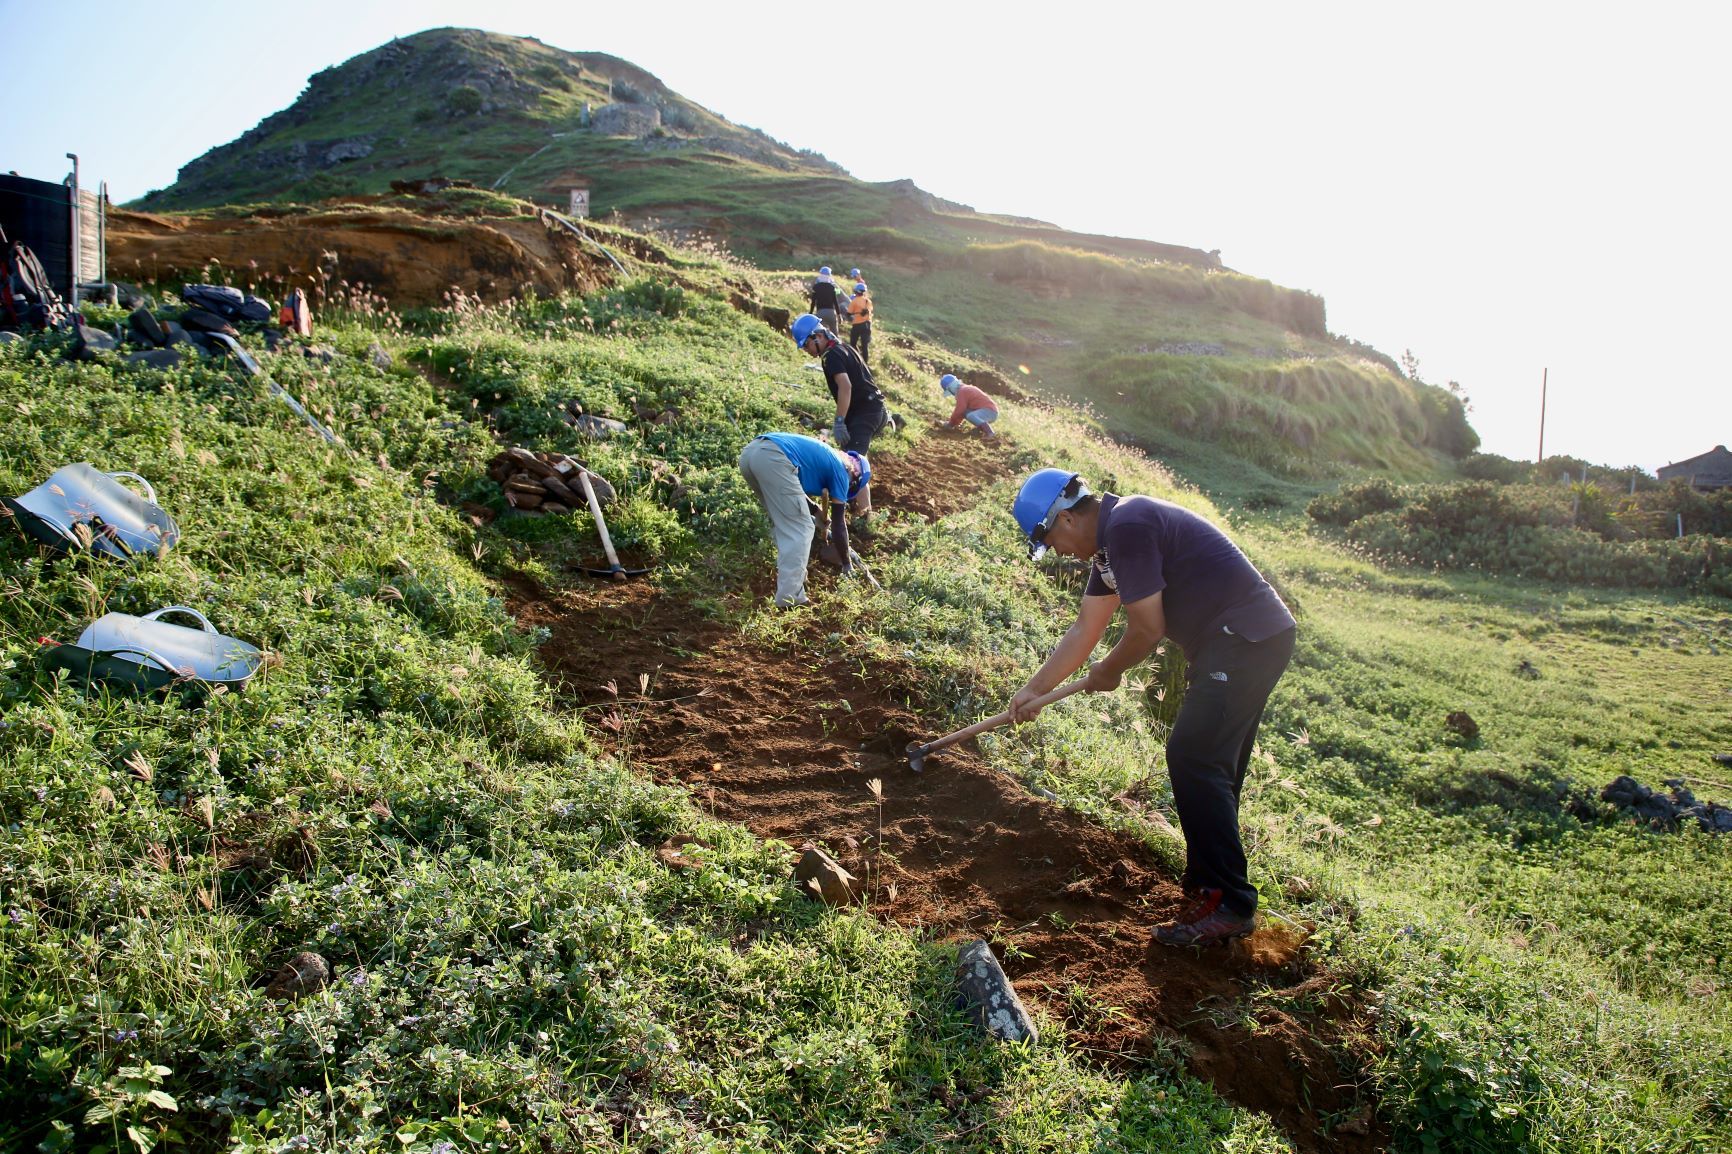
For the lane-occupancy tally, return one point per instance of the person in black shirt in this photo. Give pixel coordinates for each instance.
(825, 303)
(860, 411)
(1178, 577)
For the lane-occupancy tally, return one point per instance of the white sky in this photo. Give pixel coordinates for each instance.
(1501, 188)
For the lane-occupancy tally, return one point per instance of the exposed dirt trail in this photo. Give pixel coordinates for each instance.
(786, 741)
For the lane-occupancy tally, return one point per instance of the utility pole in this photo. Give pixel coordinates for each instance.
(1544, 373)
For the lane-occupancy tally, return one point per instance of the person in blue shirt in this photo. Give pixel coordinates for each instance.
(783, 470)
(1177, 576)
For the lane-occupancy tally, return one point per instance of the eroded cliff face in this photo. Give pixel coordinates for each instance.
(406, 257)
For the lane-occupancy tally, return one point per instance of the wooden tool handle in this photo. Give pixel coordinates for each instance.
(997, 719)
(595, 511)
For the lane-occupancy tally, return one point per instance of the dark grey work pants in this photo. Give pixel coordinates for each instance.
(1209, 750)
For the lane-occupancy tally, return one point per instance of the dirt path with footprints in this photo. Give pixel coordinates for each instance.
(966, 851)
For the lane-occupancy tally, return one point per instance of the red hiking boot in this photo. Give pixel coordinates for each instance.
(1205, 923)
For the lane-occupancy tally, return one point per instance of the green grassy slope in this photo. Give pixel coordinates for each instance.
(403, 794)
(1131, 327)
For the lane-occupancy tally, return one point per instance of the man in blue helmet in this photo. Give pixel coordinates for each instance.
(1178, 577)
(860, 410)
(783, 470)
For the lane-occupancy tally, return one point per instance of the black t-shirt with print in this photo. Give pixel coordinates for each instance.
(841, 358)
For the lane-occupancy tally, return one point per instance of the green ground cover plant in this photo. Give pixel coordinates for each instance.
(402, 793)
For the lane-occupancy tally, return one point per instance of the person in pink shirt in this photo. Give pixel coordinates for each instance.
(972, 405)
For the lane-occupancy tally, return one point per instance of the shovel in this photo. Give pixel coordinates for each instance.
(617, 571)
(917, 753)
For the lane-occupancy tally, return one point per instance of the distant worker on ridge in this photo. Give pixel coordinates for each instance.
(972, 404)
(860, 322)
(825, 302)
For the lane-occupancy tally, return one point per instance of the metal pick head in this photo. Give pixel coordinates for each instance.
(916, 756)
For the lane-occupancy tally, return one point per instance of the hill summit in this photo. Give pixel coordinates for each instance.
(1172, 347)
(455, 100)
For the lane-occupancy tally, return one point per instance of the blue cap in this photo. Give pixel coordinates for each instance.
(949, 384)
(865, 474)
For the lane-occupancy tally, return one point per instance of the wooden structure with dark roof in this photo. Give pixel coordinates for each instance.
(1711, 470)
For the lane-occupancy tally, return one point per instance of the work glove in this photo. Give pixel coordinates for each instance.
(840, 431)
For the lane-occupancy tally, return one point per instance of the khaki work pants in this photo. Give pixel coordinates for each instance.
(776, 484)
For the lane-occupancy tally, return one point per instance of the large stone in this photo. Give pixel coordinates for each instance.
(305, 973)
(345, 150)
(822, 876)
(593, 426)
(148, 328)
(988, 995)
(153, 359)
(93, 341)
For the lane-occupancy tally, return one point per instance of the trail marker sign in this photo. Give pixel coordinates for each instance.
(579, 202)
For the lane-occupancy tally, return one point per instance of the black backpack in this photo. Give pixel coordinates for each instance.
(229, 303)
(27, 299)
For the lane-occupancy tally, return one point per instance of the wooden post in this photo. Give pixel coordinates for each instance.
(1544, 373)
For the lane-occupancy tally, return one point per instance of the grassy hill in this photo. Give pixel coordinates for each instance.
(540, 828)
(1174, 350)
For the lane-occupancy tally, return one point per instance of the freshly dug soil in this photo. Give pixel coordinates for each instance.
(786, 741)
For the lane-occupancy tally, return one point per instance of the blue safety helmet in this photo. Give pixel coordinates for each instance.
(861, 287)
(803, 327)
(855, 273)
(1041, 499)
(825, 271)
(865, 477)
(949, 384)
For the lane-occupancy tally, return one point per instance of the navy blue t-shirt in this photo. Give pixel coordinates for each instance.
(1146, 546)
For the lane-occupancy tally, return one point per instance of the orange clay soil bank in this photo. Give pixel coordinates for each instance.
(966, 851)
(405, 257)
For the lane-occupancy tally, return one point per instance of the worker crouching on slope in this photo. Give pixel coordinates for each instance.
(783, 469)
(860, 411)
(1178, 577)
(860, 322)
(972, 405)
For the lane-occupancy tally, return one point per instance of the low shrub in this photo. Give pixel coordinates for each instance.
(1546, 533)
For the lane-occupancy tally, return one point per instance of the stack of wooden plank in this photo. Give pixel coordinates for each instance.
(544, 482)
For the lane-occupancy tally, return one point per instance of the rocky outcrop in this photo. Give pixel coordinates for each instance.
(625, 120)
(1660, 811)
